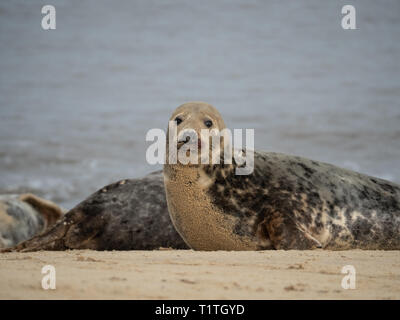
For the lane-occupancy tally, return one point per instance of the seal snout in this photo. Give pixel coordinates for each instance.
(189, 137)
(183, 141)
(187, 140)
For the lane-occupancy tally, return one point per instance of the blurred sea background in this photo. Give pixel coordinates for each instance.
(76, 102)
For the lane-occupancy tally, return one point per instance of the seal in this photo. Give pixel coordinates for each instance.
(287, 202)
(130, 214)
(21, 217)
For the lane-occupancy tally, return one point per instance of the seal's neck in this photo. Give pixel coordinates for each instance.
(200, 177)
(193, 172)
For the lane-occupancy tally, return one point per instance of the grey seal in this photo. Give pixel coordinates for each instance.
(23, 216)
(130, 214)
(287, 202)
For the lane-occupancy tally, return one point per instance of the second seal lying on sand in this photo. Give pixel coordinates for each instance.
(22, 217)
(287, 202)
(130, 214)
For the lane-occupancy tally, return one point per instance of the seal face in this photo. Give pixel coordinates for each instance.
(130, 214)
(288, 202)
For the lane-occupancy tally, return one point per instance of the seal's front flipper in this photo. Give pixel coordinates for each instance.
(54, 238)
(286, 234)
(51, 239)
(77, 230)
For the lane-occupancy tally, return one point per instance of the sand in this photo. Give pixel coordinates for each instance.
(187, 274)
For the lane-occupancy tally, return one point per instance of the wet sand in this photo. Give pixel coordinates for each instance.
(186, 274)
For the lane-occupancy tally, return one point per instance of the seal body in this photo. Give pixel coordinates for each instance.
(22, 217)
(130, 214)
(287, 202)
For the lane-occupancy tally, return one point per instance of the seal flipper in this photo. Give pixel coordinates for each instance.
(51, 239)
(50, 211)
(286, 234)
(76, 230)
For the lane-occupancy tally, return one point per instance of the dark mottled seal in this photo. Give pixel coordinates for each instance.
(22, 217)
(130, 214)
(287, 202)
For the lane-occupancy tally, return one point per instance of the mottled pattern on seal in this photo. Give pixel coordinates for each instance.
(287, 202)
(22, 217)
(291, 202)
(129, 214)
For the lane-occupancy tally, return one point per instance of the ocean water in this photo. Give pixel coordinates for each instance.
(76, 102)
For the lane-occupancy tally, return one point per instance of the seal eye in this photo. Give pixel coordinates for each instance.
(208, 123)
(178, 120)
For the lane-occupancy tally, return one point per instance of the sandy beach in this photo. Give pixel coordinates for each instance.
(187, 274)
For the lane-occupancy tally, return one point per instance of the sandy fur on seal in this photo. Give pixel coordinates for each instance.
(188, 200)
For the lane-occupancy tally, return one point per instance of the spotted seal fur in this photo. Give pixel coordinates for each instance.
(287, 202)
(130, 214)
(23, 216)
